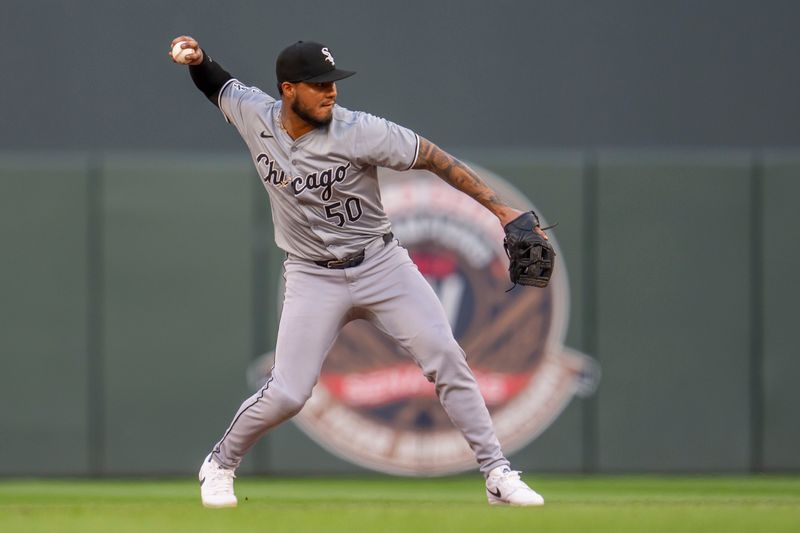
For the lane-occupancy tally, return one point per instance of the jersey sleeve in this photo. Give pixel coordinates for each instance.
(383, 143)
(238, 101)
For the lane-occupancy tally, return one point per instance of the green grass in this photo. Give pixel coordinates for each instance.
(582, 504)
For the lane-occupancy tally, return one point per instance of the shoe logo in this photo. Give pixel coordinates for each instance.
(493, 493)
(266, 135)
(202, 481)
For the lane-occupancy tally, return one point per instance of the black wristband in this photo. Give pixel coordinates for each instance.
(209, 77)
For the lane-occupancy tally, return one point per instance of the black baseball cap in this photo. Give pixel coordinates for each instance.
(308, 61)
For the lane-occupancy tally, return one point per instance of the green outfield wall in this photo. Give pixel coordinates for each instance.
(136, 288)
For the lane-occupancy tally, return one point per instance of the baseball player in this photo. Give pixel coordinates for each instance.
(318, 162)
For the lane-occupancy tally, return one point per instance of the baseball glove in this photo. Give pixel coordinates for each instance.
(531, 257)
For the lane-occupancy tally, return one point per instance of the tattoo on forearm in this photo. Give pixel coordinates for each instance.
(456, 173)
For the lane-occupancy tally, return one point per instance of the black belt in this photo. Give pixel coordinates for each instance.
(355, 259)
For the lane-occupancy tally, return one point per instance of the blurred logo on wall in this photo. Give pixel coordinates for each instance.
(372, 405)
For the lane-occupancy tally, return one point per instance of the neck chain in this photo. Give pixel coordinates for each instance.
(280, 123)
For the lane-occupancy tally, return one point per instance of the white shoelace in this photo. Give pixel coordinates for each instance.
(221, 481)
(511, 482)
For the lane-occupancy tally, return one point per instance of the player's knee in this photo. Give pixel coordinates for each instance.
(438, 353)
(288, 403)
(434, 340)
(293, 407)
(294, 404)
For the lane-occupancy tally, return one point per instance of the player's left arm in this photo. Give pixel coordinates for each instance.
(433, 159)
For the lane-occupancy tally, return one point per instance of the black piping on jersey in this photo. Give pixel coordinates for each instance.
(230, 428)
(416, 154)
(219, 99)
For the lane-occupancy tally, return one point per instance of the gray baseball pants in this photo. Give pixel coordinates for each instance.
(317, 304)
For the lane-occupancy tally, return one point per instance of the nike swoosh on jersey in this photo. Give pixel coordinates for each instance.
(266, 135)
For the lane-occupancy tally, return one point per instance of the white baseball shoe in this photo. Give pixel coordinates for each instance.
(216, 484)
(504, 487)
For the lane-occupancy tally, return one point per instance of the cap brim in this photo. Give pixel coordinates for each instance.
(333, 75)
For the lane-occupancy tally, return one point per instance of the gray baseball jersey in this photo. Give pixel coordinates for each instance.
(323, 186)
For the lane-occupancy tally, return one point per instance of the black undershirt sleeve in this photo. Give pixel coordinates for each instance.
(209, 77)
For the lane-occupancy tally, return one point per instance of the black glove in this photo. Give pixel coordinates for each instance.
(531, 257)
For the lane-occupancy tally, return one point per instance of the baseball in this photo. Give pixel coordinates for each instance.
(179, 54)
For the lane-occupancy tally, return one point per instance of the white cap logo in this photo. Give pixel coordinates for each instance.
(328, 56)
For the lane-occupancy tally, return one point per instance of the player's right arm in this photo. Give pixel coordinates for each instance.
(238, 102)
(207, 74)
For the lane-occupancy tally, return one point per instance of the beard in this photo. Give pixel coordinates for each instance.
(303, 112)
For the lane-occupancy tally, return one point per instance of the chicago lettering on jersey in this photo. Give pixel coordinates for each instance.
(275, 175)
(325, 179)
